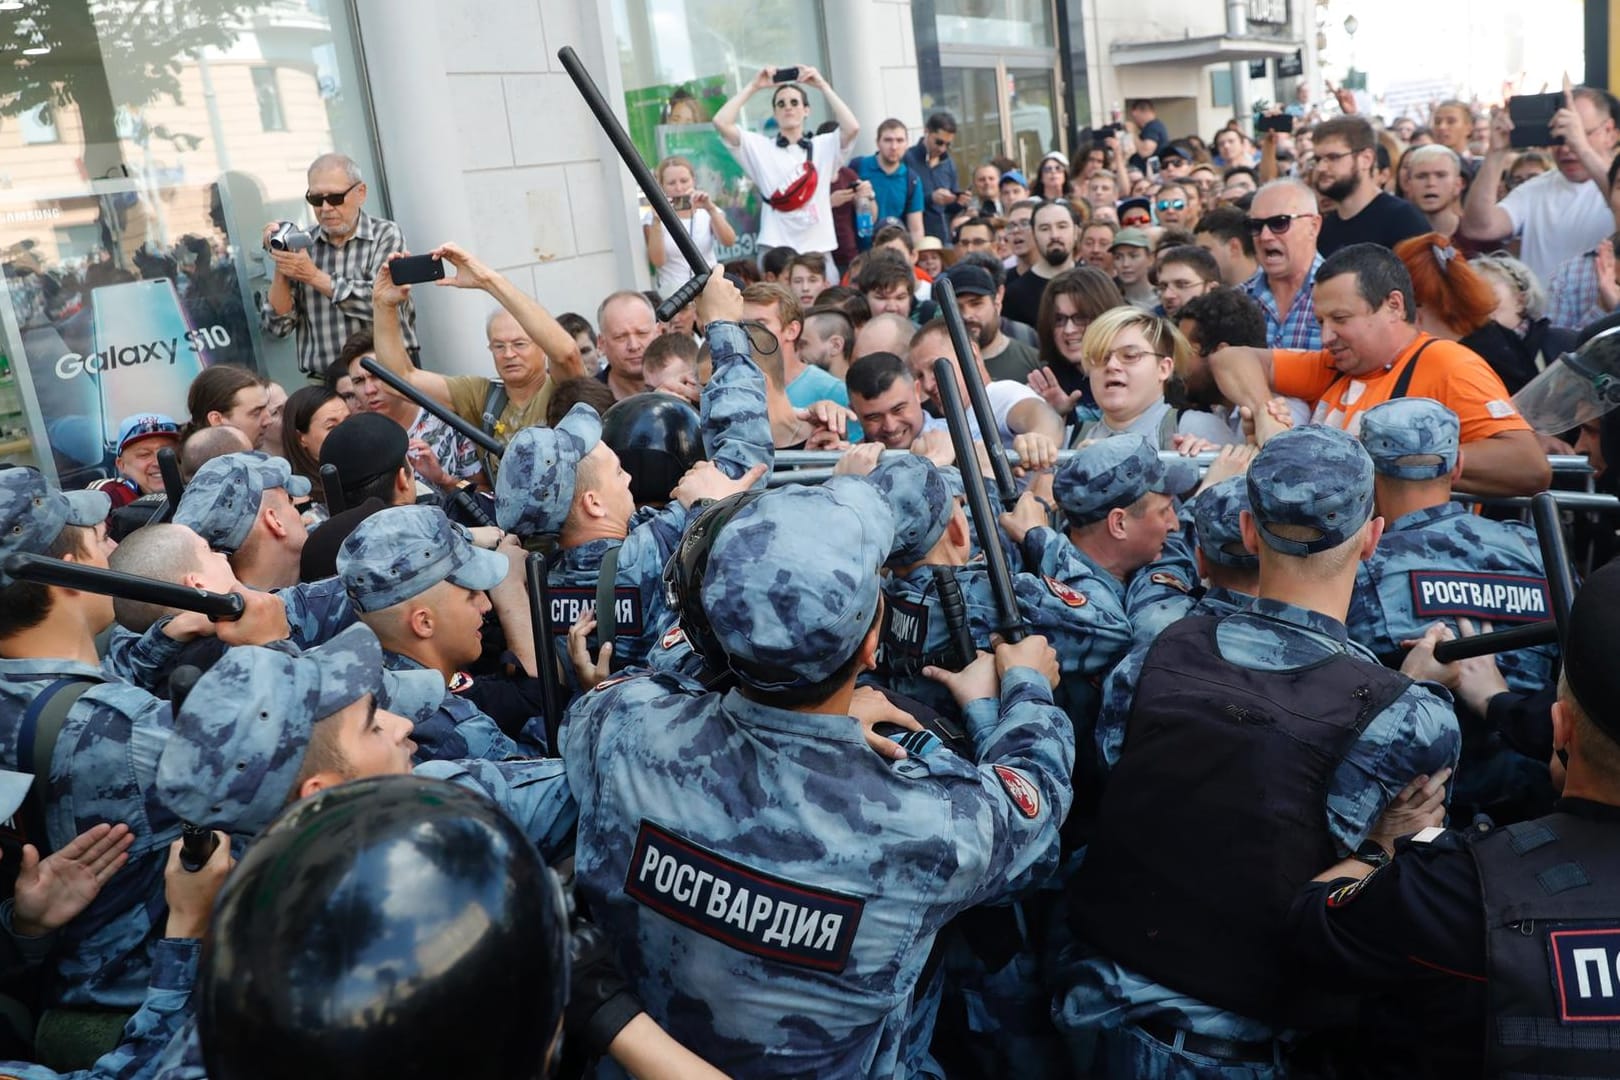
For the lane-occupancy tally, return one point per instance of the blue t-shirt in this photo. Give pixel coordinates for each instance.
(1154, 129)
(898, 193)
(817, 384)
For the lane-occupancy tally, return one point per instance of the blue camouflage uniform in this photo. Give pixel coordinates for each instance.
(774, 886)
(220, 505)
(398, 554)
(1214, 512)
(101, 771)
(1314, 477)
(535, 490)
(232, 764)
(1442, 562)
(157, 1029)
(1108, 475)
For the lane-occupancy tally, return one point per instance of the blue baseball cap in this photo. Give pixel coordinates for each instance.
(404, 551)
(920, 501)
(1113, 473)
(33, 514)
(1411, 438)
(534, 489)
(1216, 522)
(222, 500)
(1315, 477)
(788, 607)
(146, 426)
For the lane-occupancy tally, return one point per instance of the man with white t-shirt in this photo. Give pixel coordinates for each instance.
(793, 172)
(1559, 214)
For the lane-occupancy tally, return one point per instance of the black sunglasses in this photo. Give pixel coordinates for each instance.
(1277, 223)
(331, 200)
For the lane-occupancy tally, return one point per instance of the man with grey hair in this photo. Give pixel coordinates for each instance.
(626, 326)
(530, 350)
(1284, 222)
(323, 294)
(1434, 184)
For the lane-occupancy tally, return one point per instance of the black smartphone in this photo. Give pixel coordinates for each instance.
(681, 202)
(1282, 123)
(415, 269)
(1532, 116)
(787, 74)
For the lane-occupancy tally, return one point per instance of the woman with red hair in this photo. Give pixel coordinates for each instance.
(1457, 304)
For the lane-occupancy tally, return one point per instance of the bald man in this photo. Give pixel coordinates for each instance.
(1284, 222)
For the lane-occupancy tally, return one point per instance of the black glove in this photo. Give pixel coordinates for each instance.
(600, 1002)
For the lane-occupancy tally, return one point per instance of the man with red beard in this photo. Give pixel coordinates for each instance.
(1284, 223)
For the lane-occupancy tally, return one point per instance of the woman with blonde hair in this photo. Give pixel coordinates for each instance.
(702, 216)
(1131, 357)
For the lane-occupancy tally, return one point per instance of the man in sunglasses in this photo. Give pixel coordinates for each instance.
(1178, 206)
(1284, 223)
(323, 295)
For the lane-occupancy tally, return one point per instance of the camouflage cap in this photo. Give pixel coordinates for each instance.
(33, 514)
(1215, 520)
(535, 486)
(404, 551)
(223, 499)
(920, 501)
(1316, 477)
(1411, 438)
(788, 607)
(1114, 473)
(239, 740)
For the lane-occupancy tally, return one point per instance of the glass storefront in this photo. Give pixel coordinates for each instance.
(997, 69)
(141, 157)
(682, 59)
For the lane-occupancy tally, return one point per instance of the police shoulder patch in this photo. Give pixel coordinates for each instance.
(614, 681)
(1019, 789)
(760, 914)
(1066, 593)
(1346, 893)
(1161, 577)
(460, 682)
(672, 637)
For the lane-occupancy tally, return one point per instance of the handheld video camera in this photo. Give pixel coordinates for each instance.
(289, 237)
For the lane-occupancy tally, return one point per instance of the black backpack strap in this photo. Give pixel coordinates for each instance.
(494, 405)
(36, 743)
(607, 612)
(1404, 383)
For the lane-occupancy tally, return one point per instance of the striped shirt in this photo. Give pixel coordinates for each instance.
(323, 324)
(1297, 328)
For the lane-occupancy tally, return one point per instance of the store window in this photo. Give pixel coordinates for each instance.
(131, 240)
(682, 59)
(1018, 24)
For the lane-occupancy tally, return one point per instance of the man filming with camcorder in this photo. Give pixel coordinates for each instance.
(321, 287)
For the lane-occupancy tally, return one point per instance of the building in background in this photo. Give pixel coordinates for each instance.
(144, 147)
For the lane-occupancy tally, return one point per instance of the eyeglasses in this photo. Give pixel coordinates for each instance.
(501, 348)
(1335, 156)
(1017, 226)
(1127, 357)
(1277, 223)
(1080, 322)
(1133, 220)
(331, 200)
(1172, 204)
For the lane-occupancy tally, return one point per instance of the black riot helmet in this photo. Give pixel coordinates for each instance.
(657, 437)
(374, 925)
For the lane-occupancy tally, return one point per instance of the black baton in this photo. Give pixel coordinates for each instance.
(545, 646)
(332, 488)
(221, 607)
(989, 430)
(411, 393)
(1011, 620)
(173, 485)
(656, 199)
(197, 844)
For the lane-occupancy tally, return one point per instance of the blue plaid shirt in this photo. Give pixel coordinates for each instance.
(1297, 328)
(1572, 293)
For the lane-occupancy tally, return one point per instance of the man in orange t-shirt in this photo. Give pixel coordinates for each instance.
(1373, 351)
